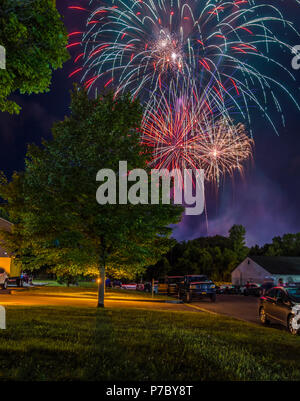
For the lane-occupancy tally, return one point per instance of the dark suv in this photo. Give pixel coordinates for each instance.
(281, 305)
(196, 287)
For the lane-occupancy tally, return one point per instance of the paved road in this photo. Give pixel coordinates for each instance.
(238, 306)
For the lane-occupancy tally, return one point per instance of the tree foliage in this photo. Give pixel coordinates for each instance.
(237, 235)
(287, 245)
(215, 256)
(35, 40)
(54, 206)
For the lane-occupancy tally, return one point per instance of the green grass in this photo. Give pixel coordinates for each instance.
(134, 344)
(110, 293)
(54, 283)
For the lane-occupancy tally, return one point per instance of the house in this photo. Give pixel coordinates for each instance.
(6, 260)
(259, 269)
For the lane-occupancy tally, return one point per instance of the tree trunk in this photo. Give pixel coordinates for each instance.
(101, 287)
(102, 267)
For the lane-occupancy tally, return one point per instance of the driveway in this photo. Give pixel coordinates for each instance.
(238, 306)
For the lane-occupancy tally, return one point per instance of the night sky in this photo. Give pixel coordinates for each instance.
(266, 201)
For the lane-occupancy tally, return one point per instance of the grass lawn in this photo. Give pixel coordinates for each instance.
(69, 343)
(113, 293)
(54, 283)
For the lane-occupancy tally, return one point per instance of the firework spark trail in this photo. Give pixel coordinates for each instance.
(224, 149)
(149, 46)
(182, 136)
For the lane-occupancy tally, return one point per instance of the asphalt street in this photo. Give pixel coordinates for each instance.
(238, 306)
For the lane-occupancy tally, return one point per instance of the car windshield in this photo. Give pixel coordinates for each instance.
(294, 293)
(198, 278)
(174, 280)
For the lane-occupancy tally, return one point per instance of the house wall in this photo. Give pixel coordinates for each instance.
(9, 266)
(5, 264)
(250, 271)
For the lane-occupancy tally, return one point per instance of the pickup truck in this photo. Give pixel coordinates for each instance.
(169, 285)
(11, 273)
(3, 279)
(196, 287)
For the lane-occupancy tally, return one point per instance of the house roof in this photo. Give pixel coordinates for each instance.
(5, 225)
(278, 264)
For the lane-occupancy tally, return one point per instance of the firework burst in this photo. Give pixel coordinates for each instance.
(182, 135)
(149, 46)
(224, 149)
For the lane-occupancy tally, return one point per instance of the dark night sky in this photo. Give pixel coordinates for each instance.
(266, 201)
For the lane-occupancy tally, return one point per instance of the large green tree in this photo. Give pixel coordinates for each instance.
(60, 222)
(237, 235)
(35, 39)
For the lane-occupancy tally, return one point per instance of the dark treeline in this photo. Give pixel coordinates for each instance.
(217, 256)
(287, 245)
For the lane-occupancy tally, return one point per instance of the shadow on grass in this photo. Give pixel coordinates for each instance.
(71, 343)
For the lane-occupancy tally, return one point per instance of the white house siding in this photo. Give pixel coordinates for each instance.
(250, 271)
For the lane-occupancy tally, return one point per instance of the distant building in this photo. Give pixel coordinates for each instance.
(6, 260)
(259, 269)
(4, 226)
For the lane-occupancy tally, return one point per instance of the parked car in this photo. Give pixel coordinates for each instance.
(230, 289)
(281, 305)
(147, 287)
(163, 286)
(265, 287)
(219, 289)
(252, 289)
(117, 284)
(140, 287)
(173, 282)
(196, 287)
(3, 279)
(129, 286)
